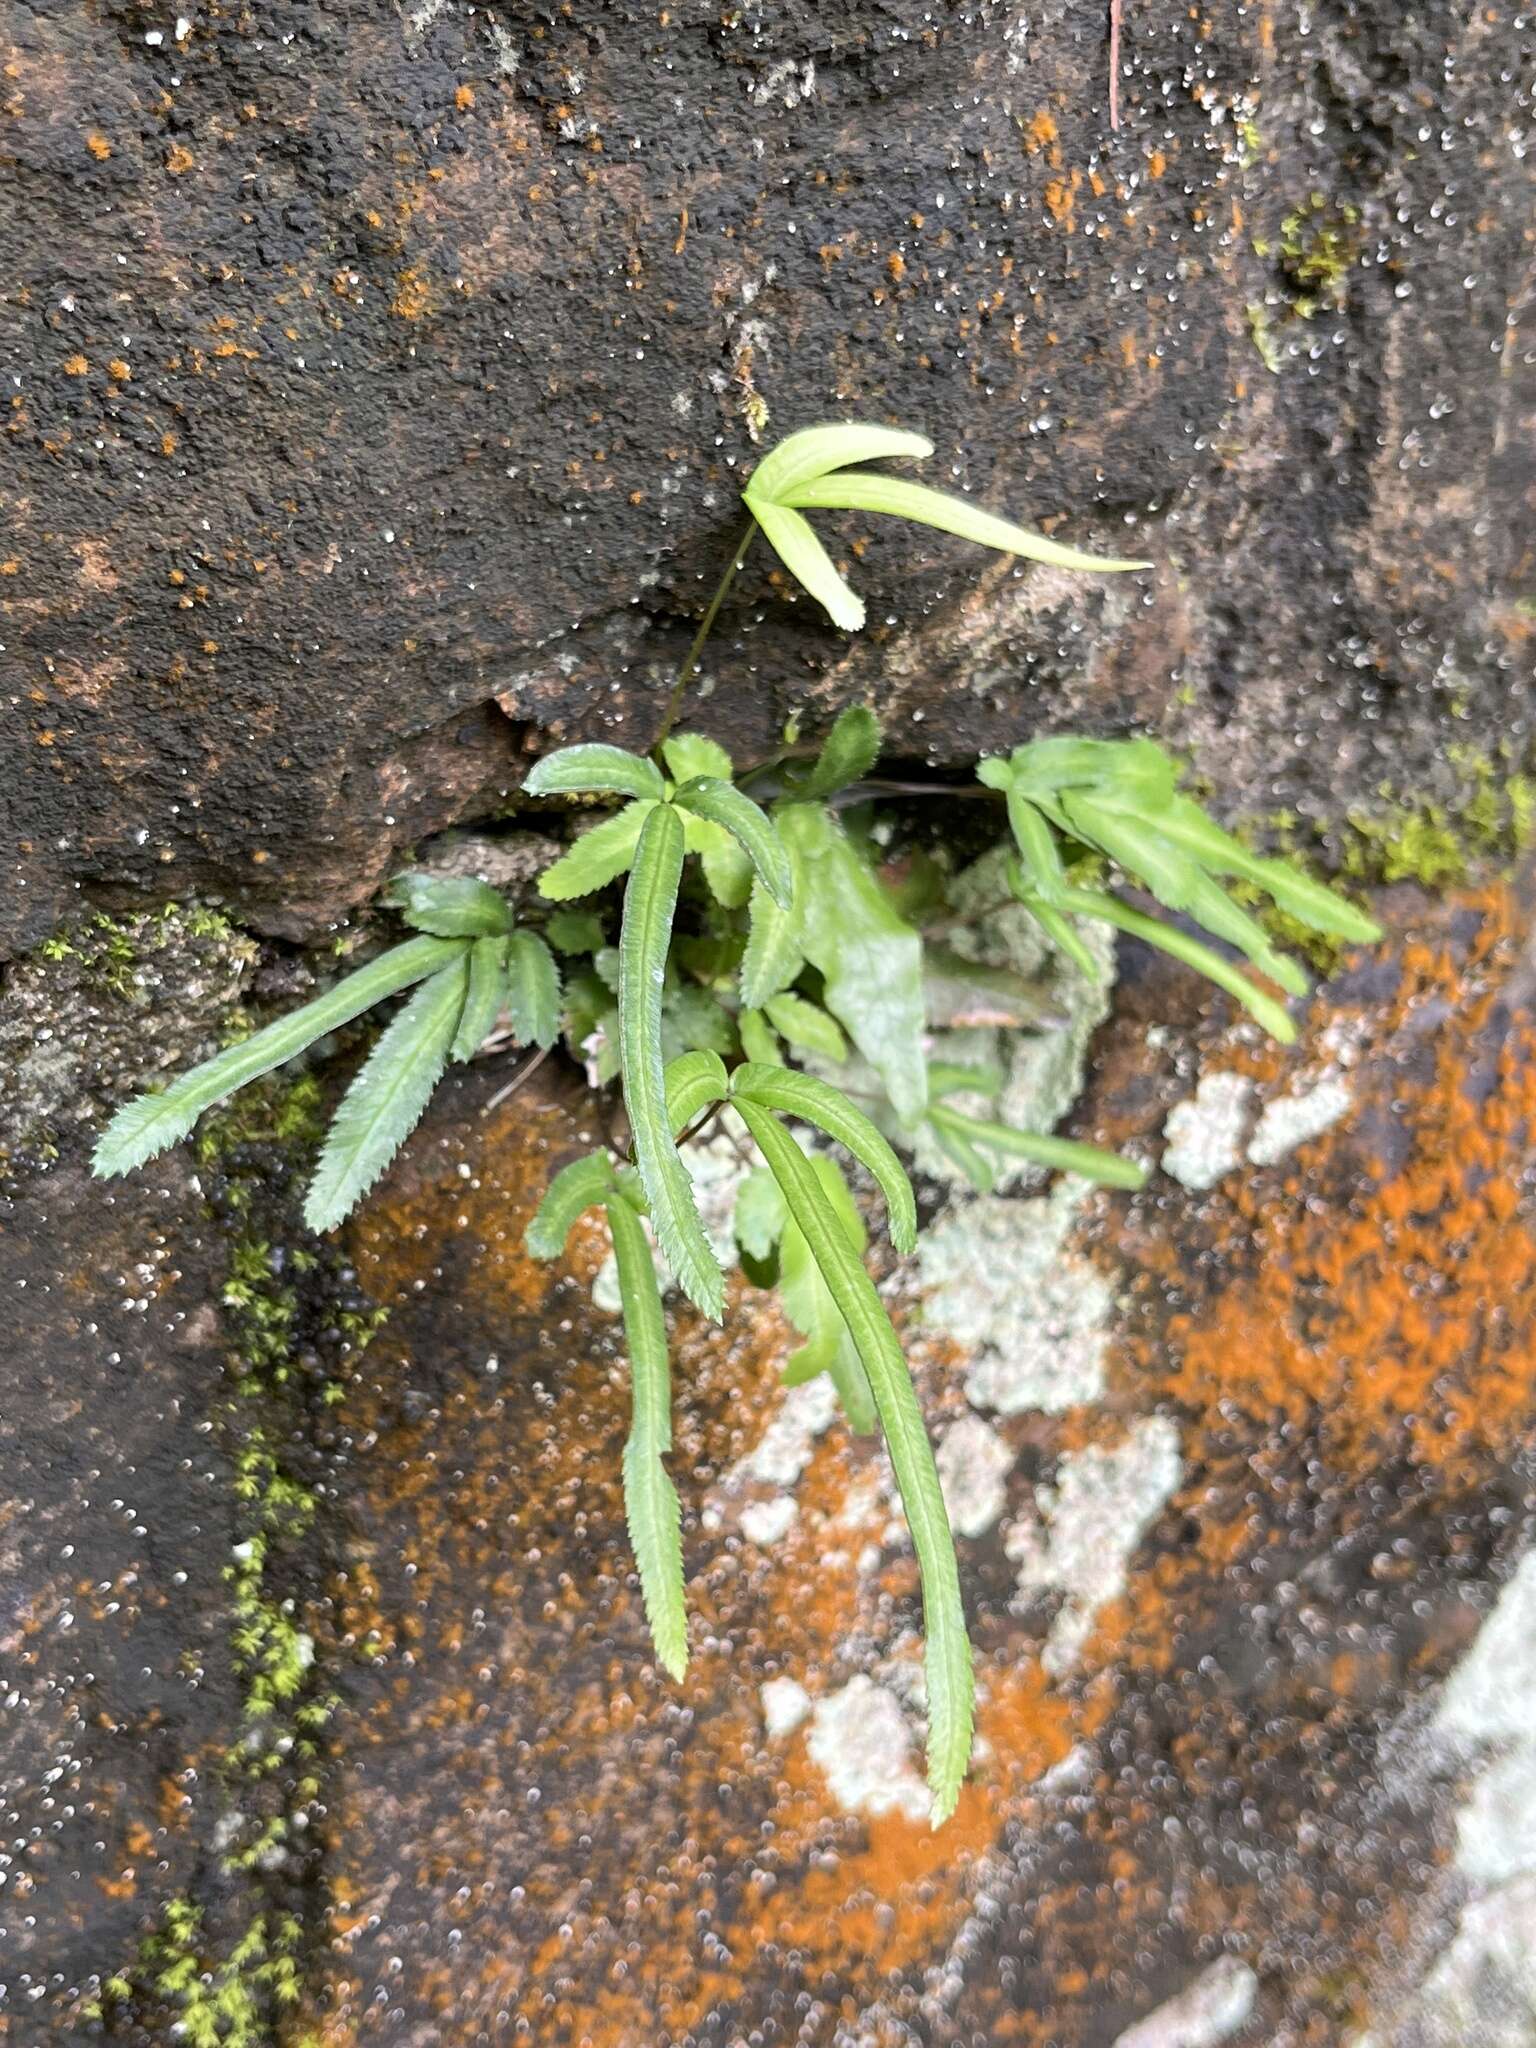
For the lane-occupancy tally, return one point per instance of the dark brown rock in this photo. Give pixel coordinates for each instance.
(373, 367)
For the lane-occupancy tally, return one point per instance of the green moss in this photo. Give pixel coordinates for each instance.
(1264, 337)
(110, 950)
(219, 2001)
(1487, 822)
(1319, 243)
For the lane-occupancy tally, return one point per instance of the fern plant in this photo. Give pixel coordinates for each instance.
(469, 965)
(786, 945)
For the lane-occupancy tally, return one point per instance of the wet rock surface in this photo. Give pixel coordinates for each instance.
(1247, 1768)
(380, 380)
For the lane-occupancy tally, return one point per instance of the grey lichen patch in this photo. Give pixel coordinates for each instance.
(974, 1463)
(1485, 1713)
(1205, 1134)
(1089, 1524)
(1290, 1120)
(861, 1741)
(1003, 1281)
(101, 1005)
(1209, 2011)
(785, 1705)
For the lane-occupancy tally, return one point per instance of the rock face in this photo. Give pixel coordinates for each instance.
(380, 380)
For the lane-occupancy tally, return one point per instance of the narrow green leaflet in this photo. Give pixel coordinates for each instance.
(533, 990)
(959, 1151)
(815, 450)
(871, 960)
(598, 768)
(759, 1040)
(451, 906)
(1295, 892)
(1169, 939)
(1054, 922)
(1065, 1155)
(773, 957)
(815, 1102)
(482, 1003)
(693, 1081)
(947, 1077)
(1210, 904)
(807, 1026)
(794, 541)
(850, 750)
(807, 1301)
(723, 804)
(898, 498)
(149, 1123)
(598, 857)
(384, 1104)
(688, 754)
(650, 899)
(947, 1660)
(1137, 845)
(574, 1189)
(650, 1499)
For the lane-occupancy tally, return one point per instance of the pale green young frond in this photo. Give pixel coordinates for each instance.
(773, 957)
(806, 1026)
(384, 1104)
(898, 498)
(815, 450)
(794, 541)
(149, 1123)
(1064, 1155)
(1169, 939)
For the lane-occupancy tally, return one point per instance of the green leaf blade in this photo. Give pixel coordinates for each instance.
(449, 906)
(816, 1102)
(575, 1189)
(871, 959)
(806, 1026)
(693, 1081)
(484, 997)
(724, 805)
(149, 1123)
(850, 750)
(650, 1500)
(1065, 1155)
(947, 1655)
(533, 990)
(598, 857)
(650, 900)
(384, 1103)
(690, 754)
(594, 768)
(1180, 946)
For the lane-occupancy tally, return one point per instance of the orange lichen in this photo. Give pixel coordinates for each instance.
(179, 159)
(76, 366)
(99, 147)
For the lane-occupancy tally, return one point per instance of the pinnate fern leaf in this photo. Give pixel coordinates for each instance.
(947, 1657)
(149, 1123)
(383, 1105)
(650, 900)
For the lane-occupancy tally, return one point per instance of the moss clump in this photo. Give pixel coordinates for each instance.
(109, 951)
(1489, 821)
(219, 2001)
(1319, 243)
